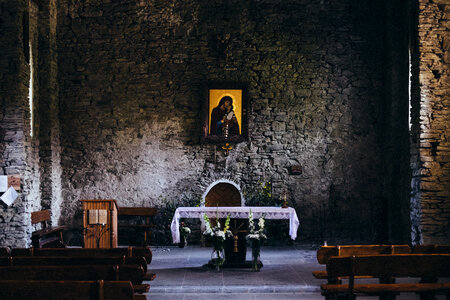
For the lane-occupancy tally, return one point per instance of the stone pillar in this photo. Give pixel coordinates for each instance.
(433, 143)
(48, 109)
(17, 149)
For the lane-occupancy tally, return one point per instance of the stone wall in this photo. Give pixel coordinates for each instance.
(119, 87)
(18, 154)
(432, 176)
(131, 77)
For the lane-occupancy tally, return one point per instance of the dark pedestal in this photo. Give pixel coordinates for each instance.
(232, 257)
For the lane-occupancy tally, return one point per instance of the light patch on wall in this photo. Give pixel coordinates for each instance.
(409, 87)
(30, 91)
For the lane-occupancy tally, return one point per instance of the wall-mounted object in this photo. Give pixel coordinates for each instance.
(14, 181)
(9, 196)
(7, 181)
(225, 113)
(3, 183)
(9, 185)
(296, 170)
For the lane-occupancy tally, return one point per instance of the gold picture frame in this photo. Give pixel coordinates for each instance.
(225, 113)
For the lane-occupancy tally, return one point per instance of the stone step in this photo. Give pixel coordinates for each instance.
(231, 289)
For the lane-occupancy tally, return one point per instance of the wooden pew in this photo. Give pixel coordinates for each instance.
(145, 252)
(130, 253)
(71, 261)
(133, 273)
(428, 267)
(324, 253)
(145, 212)
(48, 236)
(431, 249)
(67, 290)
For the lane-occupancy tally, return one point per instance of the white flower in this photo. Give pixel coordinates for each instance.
(261, 223)
(253, 233)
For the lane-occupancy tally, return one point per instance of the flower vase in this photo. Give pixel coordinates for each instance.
(256, 249)
(218, 258)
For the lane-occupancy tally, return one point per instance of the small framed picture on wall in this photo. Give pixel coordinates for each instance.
(225, 113)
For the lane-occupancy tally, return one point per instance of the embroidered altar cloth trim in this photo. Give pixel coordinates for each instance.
(236, 212)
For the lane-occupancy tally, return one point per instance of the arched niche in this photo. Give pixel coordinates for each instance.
(223, 193)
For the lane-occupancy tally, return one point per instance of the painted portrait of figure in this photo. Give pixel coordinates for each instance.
(225, 111)
(223, 118)
(225, 114)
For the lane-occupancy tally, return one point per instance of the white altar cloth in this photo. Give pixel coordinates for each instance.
(237, 212)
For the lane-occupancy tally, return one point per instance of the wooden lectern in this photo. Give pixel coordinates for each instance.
(99, 223)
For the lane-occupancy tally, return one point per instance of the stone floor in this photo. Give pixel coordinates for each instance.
(182, 274)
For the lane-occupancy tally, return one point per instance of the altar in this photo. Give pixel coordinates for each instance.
(235, 212)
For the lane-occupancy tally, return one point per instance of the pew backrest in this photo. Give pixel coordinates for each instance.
(133, 273)
(430, 249)
(85, 252)
(71, 261)
(396, 265)
(325, 252)
(67, 290)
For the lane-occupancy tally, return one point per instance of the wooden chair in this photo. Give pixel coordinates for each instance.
(148, 213)
(427, 267)
(47, 236)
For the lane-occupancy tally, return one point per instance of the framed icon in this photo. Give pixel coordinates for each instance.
(225, 113)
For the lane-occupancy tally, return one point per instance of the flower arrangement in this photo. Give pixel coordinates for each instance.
(254, 237)
(217, 236)
(256, 234)
(184, 230)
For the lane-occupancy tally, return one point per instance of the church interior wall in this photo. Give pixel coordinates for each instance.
(120, 87)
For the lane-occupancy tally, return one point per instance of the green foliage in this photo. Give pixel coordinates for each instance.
(277, 231)
(261, 195)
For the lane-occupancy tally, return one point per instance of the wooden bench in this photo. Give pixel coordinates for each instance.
(81, 261)
(428, 267)
(144, 212)
(67, 290)
(132, 254)
(71, 261)
(133, 273)
(145, 252)
(324, 253)
(47, 236)
(431, 249)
